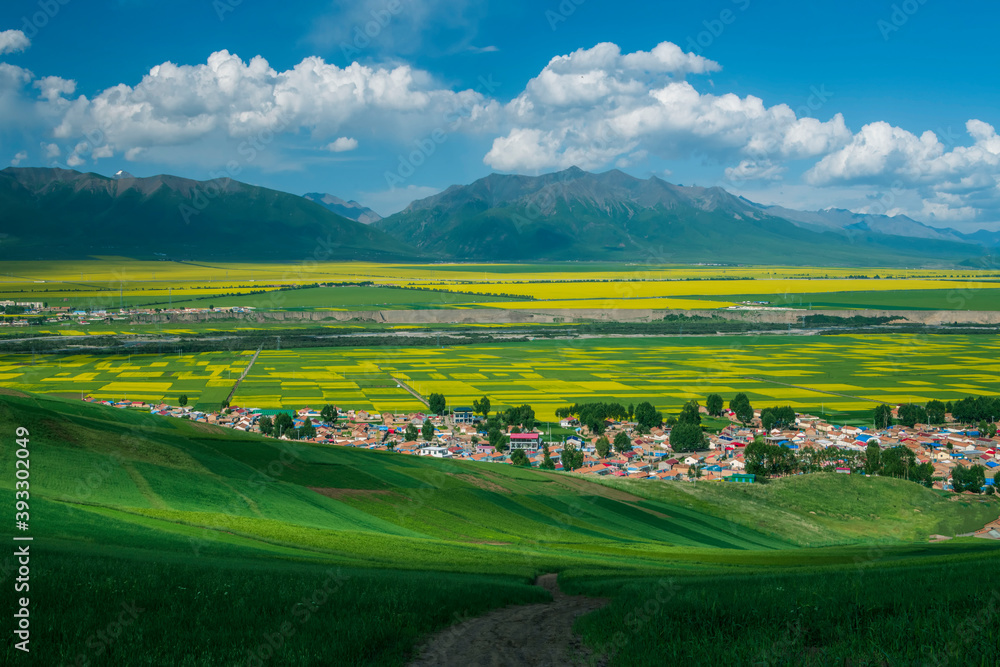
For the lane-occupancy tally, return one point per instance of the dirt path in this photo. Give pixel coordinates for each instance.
(411, 390)
(536, 635)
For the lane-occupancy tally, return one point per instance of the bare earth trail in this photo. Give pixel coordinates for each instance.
(536, 635)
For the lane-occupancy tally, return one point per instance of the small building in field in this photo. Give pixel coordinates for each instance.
(527, 441)
(741, 478)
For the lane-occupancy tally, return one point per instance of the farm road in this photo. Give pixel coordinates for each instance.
(535, 635)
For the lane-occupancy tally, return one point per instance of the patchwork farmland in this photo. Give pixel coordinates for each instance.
(833, 374)
(205, 378)
(845, 374)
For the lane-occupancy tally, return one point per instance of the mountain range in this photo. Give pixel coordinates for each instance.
(566, 215)
(574, 214)
(351, 210)
(65, 214)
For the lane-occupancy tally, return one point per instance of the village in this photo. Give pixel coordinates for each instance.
(646, 456)
(18, 313)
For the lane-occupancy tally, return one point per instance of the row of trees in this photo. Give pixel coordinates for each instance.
(765, 460)
(983, 410)
(593, 415)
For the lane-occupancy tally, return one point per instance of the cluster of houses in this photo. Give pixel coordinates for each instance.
(65, 315)
(650, 457)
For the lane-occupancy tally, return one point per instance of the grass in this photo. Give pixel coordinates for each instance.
(927, 612)
(129, 609)
(257, 549)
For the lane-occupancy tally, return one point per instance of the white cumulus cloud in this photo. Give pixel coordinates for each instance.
(12, 41)
(594, 106)
(342, 144)
(177, 105)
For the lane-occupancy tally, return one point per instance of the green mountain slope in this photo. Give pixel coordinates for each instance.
(380, 508)
(62, 214)
(574, 214)
(152, 535)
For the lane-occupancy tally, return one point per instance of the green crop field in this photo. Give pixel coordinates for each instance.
(112, 282)
(963, 297)
(348, 298)
(829, 374)
(206, 536)
(205, 378)
(835, 375)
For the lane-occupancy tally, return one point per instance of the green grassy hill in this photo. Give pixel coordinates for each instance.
(219, 537)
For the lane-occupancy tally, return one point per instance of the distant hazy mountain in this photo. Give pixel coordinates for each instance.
(121, 173)
(57, 213)
(838, 219)
(575, 214)
(351, 210)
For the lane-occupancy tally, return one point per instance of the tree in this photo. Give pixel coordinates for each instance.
(427, 430)
(519, 458)
(740, 404)
(329, 414)
(898, 462)
(968, 479)
(631, 411)
(182, 399)
(647, 416)
(873, 458)
(767, 419)
(687, 438)
(282, 422)
(603, 447)
(522, 416)
(883, 416)
(411, 432)
(714, 405)
(777, 417)
(436, 403)
(572, 458)
(755, 457)
(910, 415)
(690, 413)
(694, 472)
(482, 407)
(497, 439)
(935, 412)
(307, 430)
(547, 463)
(622, 442)
(265, 425)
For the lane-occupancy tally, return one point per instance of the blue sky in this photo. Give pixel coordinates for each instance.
(806, 104)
